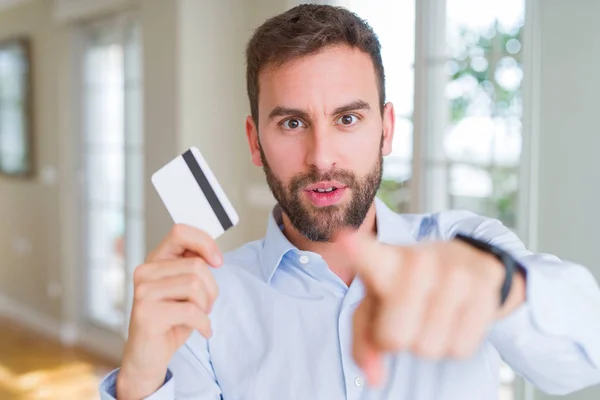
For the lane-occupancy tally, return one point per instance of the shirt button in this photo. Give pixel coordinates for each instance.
(304, 259)
(358, 381)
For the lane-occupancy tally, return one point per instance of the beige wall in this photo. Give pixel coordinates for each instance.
(214, 103)
(161, 102)
(29, 209)
(212, 97)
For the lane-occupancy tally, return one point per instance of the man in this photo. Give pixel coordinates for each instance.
(340, 300)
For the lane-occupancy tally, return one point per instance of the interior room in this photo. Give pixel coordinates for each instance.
(496, 110)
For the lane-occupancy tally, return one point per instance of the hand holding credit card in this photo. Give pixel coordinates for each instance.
(174, 290)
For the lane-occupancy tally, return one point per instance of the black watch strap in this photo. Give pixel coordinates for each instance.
(510, 264)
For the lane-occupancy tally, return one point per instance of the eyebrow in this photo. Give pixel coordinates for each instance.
(355, 105)
(295, 112)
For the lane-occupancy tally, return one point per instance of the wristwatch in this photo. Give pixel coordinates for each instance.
(511, 265)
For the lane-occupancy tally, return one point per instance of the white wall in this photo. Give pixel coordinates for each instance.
(569, 136)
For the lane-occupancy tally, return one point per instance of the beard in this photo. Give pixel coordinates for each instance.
(318, 224)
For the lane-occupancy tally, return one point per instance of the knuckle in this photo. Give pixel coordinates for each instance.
(178, 230)
(390, 341)
(425, 351)
(424, 259)
(194, 283)
(459, 352)
(198, 265)
(141, 290)
(140, 314)
(189, 311)
(138, 274)
(141, 272)
(459, 277)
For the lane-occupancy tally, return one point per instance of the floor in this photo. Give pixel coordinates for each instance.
(35, 368)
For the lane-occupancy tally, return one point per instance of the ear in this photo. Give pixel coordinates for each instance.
(389, 121)
(252, 136)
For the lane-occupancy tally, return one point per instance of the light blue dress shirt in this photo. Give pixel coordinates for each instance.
(282, 327)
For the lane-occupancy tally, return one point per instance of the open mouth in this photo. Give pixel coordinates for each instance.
(325, 193)
(327, 190)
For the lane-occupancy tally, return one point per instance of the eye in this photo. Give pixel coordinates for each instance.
(293, 123)
(348, 120)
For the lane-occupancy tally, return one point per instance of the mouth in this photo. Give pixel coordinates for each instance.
(325, 187)
(324, 194)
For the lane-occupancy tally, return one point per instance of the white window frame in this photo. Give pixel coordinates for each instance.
(91, 333)
(430, 116)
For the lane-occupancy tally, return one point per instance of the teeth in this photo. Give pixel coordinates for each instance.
(325, 190)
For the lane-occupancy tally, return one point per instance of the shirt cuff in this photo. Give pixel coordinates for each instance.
(562, 301)
(108, 388)
(556, 307)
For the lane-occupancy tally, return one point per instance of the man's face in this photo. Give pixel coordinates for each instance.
(320, 139)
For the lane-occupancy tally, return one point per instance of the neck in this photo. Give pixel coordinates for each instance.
(329, 250)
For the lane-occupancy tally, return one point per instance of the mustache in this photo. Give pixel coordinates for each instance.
(313, 176)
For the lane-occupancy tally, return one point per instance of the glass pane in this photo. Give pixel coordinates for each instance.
(402, 146)
(113, 160)
(106, 293)
(491, 192)
(105, 175)
(105, 233)
(135, 241)
(133, 86)
(104, 160)
(104, 95)
(484, 41)
(485, 73)
(106, 259)
(135, 182)
(12, 74)
(133, 117)
(504, 201)
(133, 55)
(396, 193)
(14, 140)
(13, 145)
(470, 181)
(394, 24)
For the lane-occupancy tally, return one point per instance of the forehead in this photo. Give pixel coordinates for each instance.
(330, 77)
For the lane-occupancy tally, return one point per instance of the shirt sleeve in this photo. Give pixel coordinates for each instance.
(190, 375)
(552, 339)
(108, 388)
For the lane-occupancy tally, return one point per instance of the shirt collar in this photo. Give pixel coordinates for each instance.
(392, 228)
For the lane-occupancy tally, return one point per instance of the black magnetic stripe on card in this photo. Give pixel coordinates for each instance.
(207, 189)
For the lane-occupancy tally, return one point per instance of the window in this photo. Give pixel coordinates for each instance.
(483, 140)
(15, 110)
(463, 103)
(112, 158)
(394, 23)
(471, 161)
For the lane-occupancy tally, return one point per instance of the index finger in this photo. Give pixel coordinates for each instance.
(183, 239)
(376, 263)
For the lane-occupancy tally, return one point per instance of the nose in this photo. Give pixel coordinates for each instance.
(321, 152)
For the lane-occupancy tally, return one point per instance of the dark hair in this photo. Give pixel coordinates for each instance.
(304, 30)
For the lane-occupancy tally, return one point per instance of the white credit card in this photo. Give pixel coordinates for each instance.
(193, 196)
